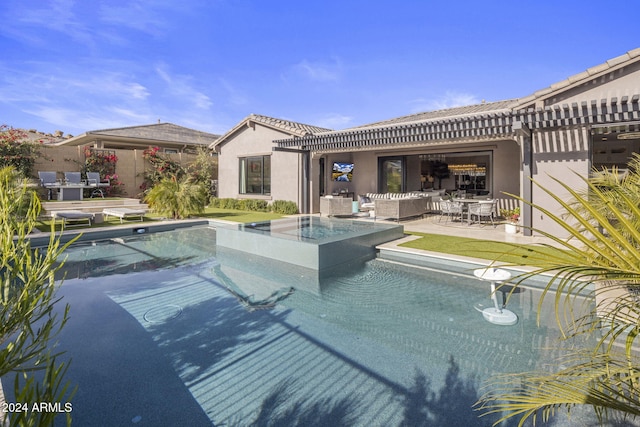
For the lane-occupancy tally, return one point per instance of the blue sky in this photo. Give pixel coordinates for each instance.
(77, 65)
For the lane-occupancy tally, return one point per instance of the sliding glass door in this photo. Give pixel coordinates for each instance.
(392, 174)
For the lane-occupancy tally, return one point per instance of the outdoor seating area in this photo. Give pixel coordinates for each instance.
(72, 186)
(474, 210)
(459, 206)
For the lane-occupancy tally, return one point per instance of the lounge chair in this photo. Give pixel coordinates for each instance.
(74, 218)
(125, 213)
(93, 180)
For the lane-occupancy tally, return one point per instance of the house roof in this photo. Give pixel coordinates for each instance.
(485, 119)
(161, 134)
(448, 113)
(290, 128)
(579, 79)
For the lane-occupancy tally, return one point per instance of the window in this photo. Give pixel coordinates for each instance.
(255, 175)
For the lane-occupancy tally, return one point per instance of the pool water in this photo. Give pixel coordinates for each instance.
(315, 243)
(313, 228)
(165, 329)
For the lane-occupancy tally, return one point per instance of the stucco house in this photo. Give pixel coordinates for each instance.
(252, 169)
(128, 145)
(590, 120)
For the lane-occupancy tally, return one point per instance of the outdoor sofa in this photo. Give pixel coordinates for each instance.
(397, 205)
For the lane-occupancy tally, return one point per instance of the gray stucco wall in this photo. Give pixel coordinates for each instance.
(258, 140)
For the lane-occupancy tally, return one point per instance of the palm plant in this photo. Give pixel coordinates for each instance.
(602, 259)
(177, 197)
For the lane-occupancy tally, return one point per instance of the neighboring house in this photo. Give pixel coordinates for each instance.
(590, 120)
(170, 138)
(250, 162)
(128, 144)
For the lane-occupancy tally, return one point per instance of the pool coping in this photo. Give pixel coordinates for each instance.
(417, 257)
(42, 239)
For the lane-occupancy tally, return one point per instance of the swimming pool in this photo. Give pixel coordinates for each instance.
(163, 331)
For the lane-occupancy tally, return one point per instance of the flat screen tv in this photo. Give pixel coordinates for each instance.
(342, 172)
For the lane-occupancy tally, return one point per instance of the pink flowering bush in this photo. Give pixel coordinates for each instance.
(17, 151)
(104, 162)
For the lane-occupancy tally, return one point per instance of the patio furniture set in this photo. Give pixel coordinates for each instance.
(399, 206)
(473, 208)
(73, 186)
(394, 206)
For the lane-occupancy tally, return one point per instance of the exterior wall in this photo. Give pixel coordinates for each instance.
(505, 172)
(560, 154)
(130, 166)
(258, 140)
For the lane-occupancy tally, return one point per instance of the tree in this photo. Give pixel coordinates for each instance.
(603, 251)
(177, 197)
(28, 323)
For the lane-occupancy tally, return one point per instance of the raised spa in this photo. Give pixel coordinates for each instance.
(309, 241)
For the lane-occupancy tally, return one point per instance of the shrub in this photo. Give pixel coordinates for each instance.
(103, 162)
(161, 168)
(284, 207)
(17, 151)
(256, 205)
(228, 203)
(177, 198)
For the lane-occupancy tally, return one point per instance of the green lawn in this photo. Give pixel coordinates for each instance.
(484, 249)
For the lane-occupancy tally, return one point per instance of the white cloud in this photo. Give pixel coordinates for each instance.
(318, 71)
(58, 16)
(234, 95)
(180, 86)
(449, 100)
(137, 15)
(334, 121)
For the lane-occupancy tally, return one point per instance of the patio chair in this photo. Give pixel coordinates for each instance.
(93, 180)
(450, 209)
(72, 178)
(49, 181)
(482, 210)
